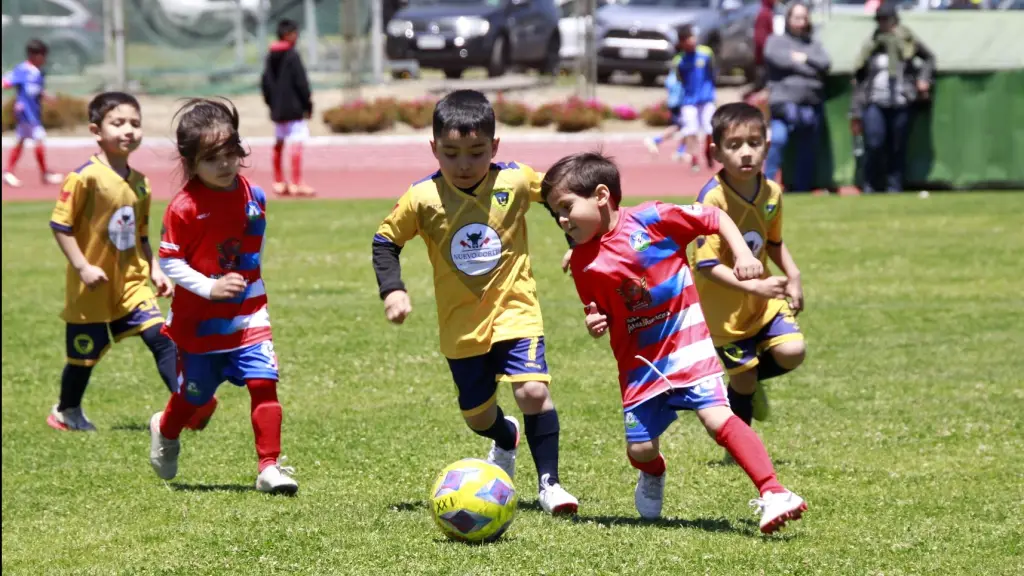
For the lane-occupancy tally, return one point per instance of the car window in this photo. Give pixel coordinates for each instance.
(45, 9)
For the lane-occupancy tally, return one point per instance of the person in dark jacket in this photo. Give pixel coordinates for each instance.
(893, 71)
(286, 92)
(797, 67)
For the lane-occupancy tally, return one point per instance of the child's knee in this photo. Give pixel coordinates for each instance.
(642, 451)
(714, 418)
(744, 382)
(532, 397)
(790, 355)
(483, 419)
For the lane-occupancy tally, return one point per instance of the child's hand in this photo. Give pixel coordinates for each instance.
(164, 288)
(565, 262)
(597, 323)
(747, 268)
(774, 287)
(228, 286)
(795, 294)
(397, 306)
(92, 276)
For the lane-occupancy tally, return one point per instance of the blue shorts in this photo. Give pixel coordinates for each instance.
(477, 377)
(87, 343)
(742, 355)
(199, 375)
(649, 420)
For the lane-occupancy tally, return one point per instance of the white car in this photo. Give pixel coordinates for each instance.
(572, 28)
(189, 13)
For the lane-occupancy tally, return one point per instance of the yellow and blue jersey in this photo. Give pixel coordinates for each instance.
(477, 244)
(733, 315)
(108, 215)
(696, 72)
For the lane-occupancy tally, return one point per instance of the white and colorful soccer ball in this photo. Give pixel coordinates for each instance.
(473, 501)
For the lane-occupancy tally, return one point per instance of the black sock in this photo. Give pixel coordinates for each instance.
(742, 405)
(542, 435)
(72, 385)
(166, 356)
(767, 367)
(502, 432)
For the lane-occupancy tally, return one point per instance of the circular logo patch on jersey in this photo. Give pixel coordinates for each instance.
(121, 228)
(754, 242)
(476, 249)
(640, 240)
(83, 344)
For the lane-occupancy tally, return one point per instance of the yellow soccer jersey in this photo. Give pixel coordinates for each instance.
(730, 314)
(109, 218)
(477, 245)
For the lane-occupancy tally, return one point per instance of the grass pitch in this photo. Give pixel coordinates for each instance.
(903, 430)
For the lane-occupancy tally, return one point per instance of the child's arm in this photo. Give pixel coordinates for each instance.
(164, 288)
(708, 262)
(74, 195)
(92, 276)
(175, 243)
(794, 290)
(536, 181)
(302, 86)
(393, 233)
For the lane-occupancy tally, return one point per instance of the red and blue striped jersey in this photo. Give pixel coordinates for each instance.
(638, 275)
(217, 232)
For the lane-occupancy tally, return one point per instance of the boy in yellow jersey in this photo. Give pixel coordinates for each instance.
(753, 323)
(472, 216)
(101, 223)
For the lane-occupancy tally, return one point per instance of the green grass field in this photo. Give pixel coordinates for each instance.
(903, 430)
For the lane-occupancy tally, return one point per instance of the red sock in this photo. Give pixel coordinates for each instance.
(12, 160)
(41, 157)
(278, 172)
(748, 451)
(177, 413)
(266, 420)
(297, 162)
(655, 467)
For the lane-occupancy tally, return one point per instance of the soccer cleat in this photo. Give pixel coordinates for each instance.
(281, 189)
(777, 509)
(53, 178)
(555, 500)
(505, 459)
(651, 145)
(277, 479)
(649, 495)
(202, 416)
(163, 453)
(762, 412)
(71, 419)
(11, 180)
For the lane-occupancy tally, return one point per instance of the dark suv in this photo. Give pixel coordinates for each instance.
(453, 35)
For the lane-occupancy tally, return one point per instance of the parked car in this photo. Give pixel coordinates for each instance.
(199, 13)
(640, 35)
(573, 27)
(453, 35)
(74, 36)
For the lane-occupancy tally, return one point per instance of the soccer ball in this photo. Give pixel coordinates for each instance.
(473, 501)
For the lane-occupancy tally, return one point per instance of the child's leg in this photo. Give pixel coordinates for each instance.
(707, 111)
(743, 445)
(266, 420)
(296, 153)
(478, 389)
(200, 375)
(165, 354)
(742, 386)
(540, 420)
(781, 344)
(645, 423)
(85, 346)
(277, 160)
(73, 382)
(298, 135)
(15, 155)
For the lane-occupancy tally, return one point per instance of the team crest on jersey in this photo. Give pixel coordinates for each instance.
(229, 252)
(502, 196)
(252, 211)
(475, 249)
(640, 240)
(733, 352)
(634, 293)
(141, 191)
(771, 208)
(83, 344)
(121, 228)
(631, 421)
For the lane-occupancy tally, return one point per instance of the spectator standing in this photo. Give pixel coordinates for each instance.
(287, 94)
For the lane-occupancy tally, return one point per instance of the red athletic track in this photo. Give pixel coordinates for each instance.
(377, 170)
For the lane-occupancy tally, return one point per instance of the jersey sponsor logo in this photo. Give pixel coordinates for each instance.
(121, 228)
(770, 209)
(640, 240)
(64, 195)
(475, 249)
(634, 323)
(83, 344)
(501, 197)
(631, 421)
(230, 252)
(754, 242)
(634, 293)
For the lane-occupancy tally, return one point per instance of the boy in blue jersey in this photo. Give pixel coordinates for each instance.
(28, 79)
(696, 72)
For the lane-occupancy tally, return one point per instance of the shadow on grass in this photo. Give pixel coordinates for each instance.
(416, 505)
(131, 427)
(705, 524)
(211, 487)
(726, 462)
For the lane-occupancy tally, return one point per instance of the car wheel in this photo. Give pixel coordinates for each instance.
(549, 66)
(453, 73)
(604, 77)
(499, 58)
(66, 59)
(648, 79)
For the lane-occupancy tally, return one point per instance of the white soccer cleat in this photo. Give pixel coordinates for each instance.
(277, 479)
(11, 180)
(505, 459)
(649, 495)
(53, 178)
(555, 500)
(651, 145)
(163, 453)
(777, 509)
(72, 419)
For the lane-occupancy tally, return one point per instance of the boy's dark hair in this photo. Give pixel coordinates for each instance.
(285, 27)
(683, 32)
(103, 103)
(201, 127)
(36, 47)
(735, 114)
(464, 111)
(581, 174)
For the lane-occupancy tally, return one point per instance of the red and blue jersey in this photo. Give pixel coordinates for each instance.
(28, 81)
(696, 72)
(216, 232)
(638, 275)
